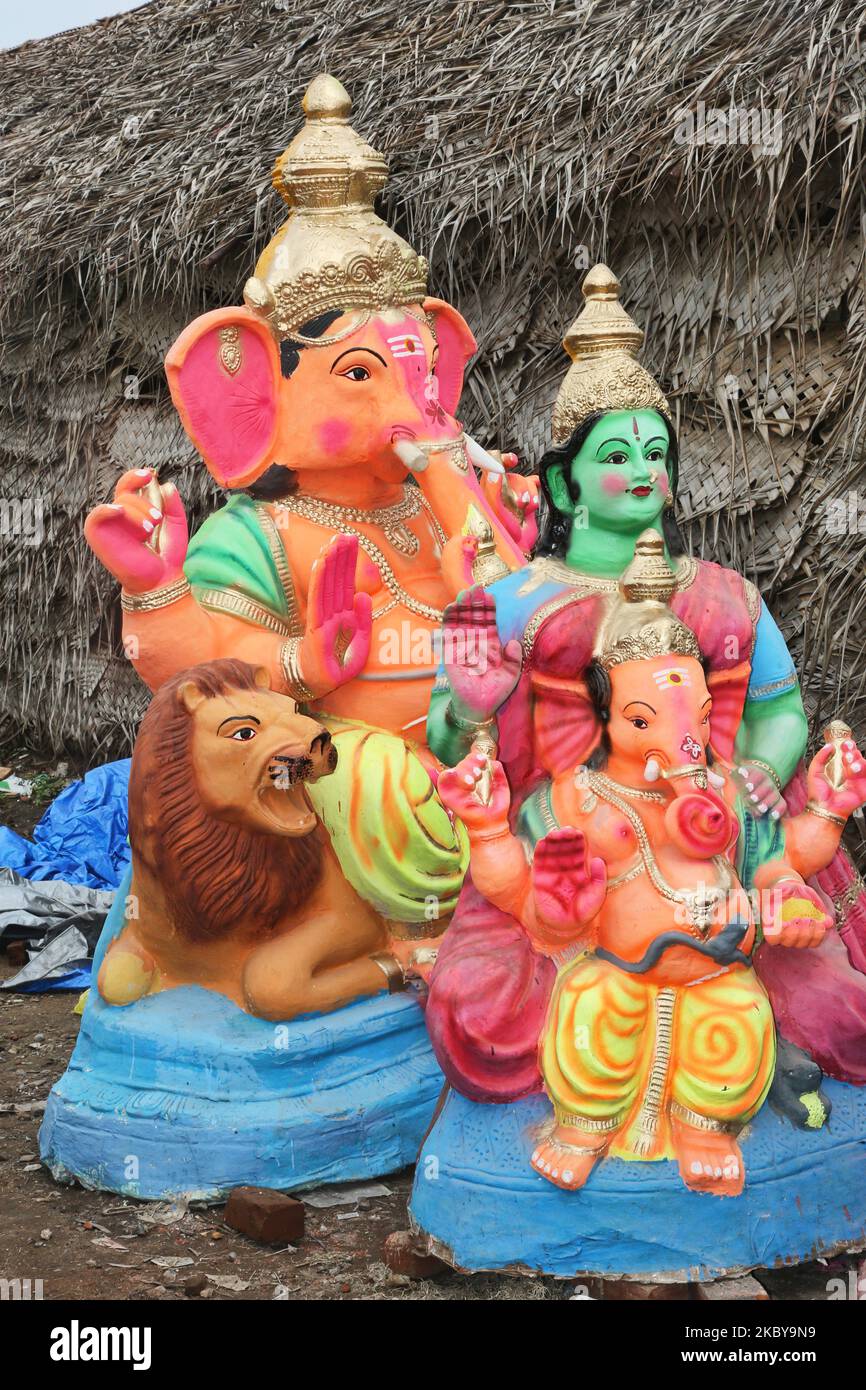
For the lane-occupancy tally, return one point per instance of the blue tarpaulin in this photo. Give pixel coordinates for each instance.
(82, 836)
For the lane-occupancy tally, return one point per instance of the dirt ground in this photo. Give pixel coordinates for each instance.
(93, 1245)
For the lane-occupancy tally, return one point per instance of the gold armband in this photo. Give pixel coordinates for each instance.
(155, 598)
(290, 666)
(814, 809)
(392, 970)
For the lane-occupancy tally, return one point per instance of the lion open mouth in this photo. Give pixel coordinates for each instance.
(282, 796)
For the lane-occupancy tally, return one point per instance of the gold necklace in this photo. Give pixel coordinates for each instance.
(639, 793)
(699, 903)
(331, 514)
(390, 519)
(551, 567)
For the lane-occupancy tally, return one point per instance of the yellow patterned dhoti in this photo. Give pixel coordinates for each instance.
(620, 1055)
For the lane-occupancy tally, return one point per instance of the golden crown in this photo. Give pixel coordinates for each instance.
(603, 343)
(640, 624)
(333, 252)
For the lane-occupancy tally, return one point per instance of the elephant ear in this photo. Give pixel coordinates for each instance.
(224, 377)
(456, 346)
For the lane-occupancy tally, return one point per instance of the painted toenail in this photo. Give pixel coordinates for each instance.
(696, 1167)
(567, 1175)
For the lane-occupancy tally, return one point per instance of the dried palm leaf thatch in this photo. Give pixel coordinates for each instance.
(527, 140)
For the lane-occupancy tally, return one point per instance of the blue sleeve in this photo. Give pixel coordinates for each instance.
(773, 671)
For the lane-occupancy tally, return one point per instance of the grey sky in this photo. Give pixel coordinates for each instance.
(36, 19)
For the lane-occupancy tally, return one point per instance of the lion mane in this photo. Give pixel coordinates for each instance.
(213, 873)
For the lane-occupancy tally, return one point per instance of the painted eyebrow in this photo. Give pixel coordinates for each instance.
(358, 349)
(611, 441)
(250, 717)
(638, 702)
(657, 439)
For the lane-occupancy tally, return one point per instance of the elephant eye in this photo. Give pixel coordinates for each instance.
(358, 373)
(243, 734)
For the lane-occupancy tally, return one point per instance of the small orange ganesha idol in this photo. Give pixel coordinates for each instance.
(659, 1040)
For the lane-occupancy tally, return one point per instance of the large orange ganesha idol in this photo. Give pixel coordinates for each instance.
(659, 1040)
(325, 404)
(314, 404)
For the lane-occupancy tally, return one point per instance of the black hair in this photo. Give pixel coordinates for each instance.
(278, 481)
(555, 526)
(291, 349)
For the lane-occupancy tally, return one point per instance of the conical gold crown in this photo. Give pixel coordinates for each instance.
(334, 252)
(639, 624)
(603, 343)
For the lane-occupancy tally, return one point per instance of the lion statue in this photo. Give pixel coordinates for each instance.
(235, 883)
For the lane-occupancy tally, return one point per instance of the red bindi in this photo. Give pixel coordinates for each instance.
(634, 426)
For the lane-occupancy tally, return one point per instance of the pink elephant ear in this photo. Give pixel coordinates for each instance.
(224, 377)
(456, 346)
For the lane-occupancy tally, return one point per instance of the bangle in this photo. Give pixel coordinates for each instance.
(770, 771)
(467, 726)
(290, 666)
(392, 970)
(814, 809)
(155, 598)
(496, 832)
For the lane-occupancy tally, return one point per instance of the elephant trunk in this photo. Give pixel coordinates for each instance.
(447, 479)
(698, 822)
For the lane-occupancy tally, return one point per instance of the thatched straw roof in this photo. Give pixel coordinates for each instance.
(137, 193)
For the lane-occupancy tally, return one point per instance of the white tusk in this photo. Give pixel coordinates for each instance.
(409, 454)
(715, 779)
(651, 771)
(481, 458)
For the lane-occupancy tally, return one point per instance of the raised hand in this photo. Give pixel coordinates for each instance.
(336, 641)
(476, 790)
(481, 671)
(141, 536)
(793, 914)
(839, 801)
(568, 886)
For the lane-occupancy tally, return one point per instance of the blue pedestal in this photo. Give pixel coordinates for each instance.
(481, 1207)
(184, 1094)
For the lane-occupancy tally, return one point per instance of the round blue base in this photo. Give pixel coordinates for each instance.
(480, 1206)
(184, 1095)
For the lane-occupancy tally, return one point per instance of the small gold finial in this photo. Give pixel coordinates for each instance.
(639, 622)
(600, 283)
(648, 575)
(326, 99)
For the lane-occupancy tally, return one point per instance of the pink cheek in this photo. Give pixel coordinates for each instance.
(614, 484)
(334, 435)
(663, 485)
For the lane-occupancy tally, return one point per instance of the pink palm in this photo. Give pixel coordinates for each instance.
(482, 672)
